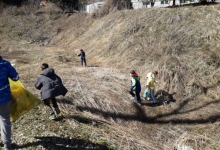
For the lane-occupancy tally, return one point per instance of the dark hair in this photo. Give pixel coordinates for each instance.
(132, 72)
(44, 66)
(155, 72)
(81, 50)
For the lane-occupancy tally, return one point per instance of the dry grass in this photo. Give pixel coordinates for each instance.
(181, 43)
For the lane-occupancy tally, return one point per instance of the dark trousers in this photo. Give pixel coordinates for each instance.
(83, 60)
(137, 94)
(54, 104)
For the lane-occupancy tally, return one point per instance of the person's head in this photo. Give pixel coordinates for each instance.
(155, 73)
(81, 50)
(44, 66)
(132, 72)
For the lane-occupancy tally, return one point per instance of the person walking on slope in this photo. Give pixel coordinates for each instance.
(151, 82)
(51, 86)
(135, 87)
(6, 71)
(83, 57)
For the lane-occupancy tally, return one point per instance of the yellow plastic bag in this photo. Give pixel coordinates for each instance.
(22, 100)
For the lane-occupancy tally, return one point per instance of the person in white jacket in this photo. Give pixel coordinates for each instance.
(151, 82)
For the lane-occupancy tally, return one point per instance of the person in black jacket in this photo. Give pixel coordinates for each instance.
(83, 57)
(51, 86)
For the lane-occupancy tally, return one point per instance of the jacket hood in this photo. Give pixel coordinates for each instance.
(48, 72)
(134, 75)
(150, 75)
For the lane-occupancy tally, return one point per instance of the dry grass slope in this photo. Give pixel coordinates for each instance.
(181, 43)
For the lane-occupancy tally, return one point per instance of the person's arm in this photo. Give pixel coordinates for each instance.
(133, 83)
(38, 84)
(12, 73)
(154, 83)
(148, 83)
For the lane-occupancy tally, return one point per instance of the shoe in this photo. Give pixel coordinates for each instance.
(133, 98)
(155, 104)
(57, 111)
(139, 103)
(52, 117)
(7, 147)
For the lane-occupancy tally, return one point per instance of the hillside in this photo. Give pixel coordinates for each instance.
(97, 113)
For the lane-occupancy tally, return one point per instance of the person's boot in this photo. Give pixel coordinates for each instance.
(133, 98)
(57, 111)
(7, 146)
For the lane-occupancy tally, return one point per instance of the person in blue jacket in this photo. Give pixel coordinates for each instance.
(83, 57)
(135, 87)
(6, 71)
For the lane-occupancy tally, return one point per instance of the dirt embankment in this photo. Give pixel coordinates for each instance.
(181, 43)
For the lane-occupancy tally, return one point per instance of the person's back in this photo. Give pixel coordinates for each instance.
(83, 55)
(6, 71)
(137, 82)
(51, 86)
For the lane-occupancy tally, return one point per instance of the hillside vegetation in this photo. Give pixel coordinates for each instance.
(183, 44)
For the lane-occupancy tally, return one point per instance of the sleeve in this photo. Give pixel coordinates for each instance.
(148, 83)
(155, 82)
(38, 83)
(79, 54)
(12, 74)
(133, 83)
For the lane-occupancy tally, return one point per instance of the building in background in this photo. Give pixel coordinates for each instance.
(136, 4)
(94, 5)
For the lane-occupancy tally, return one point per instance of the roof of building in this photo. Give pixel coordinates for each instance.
(94, 1)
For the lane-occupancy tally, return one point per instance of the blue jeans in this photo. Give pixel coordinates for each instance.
(151, 94)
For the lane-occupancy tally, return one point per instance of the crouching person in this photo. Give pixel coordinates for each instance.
(51, 86)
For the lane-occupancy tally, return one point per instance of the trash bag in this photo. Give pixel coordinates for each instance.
(22, 100)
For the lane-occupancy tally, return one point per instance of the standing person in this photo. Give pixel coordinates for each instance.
(6, 71)
(83, 57)
(151, 82)
(135, 87)
(51, 86)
